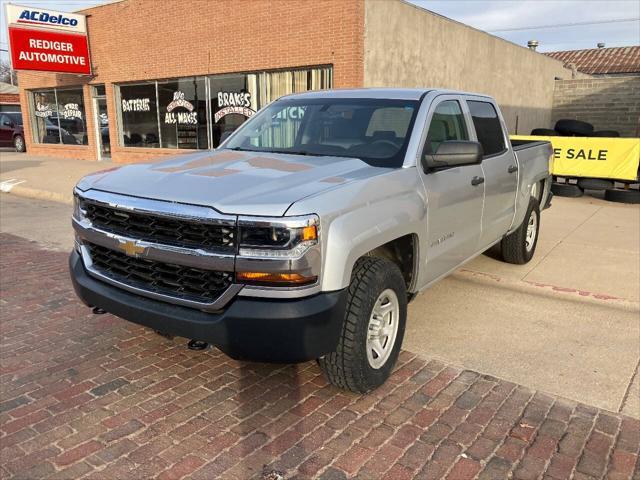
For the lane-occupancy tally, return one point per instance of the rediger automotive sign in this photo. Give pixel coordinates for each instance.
(49, 41)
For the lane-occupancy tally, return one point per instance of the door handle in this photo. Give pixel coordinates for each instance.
(475, 181)
(512, 168)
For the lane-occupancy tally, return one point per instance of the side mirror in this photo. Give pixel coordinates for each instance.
(453, 153)
(8, 123)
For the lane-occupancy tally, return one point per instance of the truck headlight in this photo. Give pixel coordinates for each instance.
(278, 252)
(281, 238)
(78, 211)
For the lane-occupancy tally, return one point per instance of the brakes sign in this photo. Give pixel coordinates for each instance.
(45, 40)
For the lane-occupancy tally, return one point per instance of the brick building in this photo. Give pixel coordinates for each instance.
(181, 76)
(9, 98)
(610, 99)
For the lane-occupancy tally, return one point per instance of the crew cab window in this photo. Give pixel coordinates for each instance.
(447, 123)
(488, 127)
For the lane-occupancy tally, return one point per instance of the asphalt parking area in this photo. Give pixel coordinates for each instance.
(86, 396)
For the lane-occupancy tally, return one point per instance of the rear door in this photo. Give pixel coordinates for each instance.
(500, 170)
(454, 198)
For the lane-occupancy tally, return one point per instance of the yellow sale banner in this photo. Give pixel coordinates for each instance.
(593, 157)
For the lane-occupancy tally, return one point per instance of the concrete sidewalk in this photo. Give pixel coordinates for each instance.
(42, 177)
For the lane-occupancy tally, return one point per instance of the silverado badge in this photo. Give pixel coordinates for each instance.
(131, 248)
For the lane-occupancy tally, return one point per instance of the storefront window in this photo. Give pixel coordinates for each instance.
(233, 99)
(139, 115)
(183, 113)
(71, 117)
(59, 116)
(179, 114)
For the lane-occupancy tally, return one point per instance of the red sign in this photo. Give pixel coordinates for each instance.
(49, 51)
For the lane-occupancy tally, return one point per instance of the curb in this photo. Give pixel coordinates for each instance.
(37, 194)
(548, 290)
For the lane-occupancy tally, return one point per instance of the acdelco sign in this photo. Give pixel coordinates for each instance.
(43, 18)
(38, 17)
(48, 41)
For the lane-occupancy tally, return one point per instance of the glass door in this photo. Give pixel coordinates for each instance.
(101, 121)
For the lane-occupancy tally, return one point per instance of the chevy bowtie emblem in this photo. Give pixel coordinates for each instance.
(131, 248)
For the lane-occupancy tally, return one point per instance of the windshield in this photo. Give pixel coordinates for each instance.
(374, 130)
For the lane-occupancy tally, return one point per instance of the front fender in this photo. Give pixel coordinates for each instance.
(361, 216)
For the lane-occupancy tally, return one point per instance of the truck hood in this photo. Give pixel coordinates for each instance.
(234, 182)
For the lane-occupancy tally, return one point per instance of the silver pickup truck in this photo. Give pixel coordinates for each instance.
(307, 232)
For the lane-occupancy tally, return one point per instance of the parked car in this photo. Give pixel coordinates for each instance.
(12, 131)
(308, 231)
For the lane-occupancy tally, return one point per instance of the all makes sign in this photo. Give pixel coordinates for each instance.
(45, 40)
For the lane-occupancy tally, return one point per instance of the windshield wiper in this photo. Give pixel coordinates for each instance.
(296, 152)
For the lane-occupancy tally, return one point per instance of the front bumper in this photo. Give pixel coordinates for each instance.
(267, 330)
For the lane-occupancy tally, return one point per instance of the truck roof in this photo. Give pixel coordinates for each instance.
(388, 93)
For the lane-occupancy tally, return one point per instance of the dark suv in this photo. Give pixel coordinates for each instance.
(11, 131)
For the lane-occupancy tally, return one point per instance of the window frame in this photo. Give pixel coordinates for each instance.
(505, 138)
(32, 115)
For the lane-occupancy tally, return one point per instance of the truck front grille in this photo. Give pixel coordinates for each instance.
(161, 229)
(178, 281)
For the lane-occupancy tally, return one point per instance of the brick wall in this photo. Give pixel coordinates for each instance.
(147, 40)
(9, 98)
(608, 103)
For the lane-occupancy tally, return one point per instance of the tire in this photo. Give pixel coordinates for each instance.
(350, 366)
(544, 132)
(566, 190)
(520, 246)
(594, 183)
(622, 196)
(574, 128)
(18, 143)
(606, 133)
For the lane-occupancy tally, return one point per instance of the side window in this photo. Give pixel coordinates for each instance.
(487, 125)
(447, 123)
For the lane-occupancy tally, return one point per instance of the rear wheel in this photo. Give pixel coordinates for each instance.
(373, 328)
(18, 143)
(519, 246)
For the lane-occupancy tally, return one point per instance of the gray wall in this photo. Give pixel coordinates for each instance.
(611, 103)
(406, 46)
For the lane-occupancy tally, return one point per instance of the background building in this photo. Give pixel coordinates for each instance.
(180, 76)
(610, 99)
(9, 98)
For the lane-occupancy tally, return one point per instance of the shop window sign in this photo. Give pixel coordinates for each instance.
(43, 111)
(189, 117)
(233, 102)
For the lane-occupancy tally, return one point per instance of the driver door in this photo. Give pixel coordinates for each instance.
(454, 195)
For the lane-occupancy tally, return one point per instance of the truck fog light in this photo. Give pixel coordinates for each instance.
(274, 279)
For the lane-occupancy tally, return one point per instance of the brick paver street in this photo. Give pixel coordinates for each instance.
(88, 396)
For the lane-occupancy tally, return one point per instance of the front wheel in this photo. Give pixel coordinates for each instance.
(373, 327)
(519, 246)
